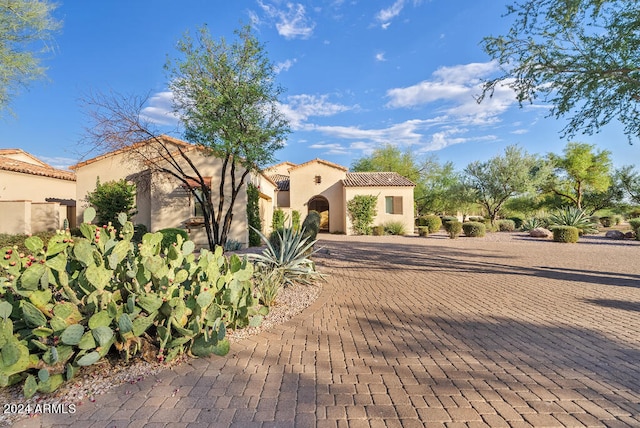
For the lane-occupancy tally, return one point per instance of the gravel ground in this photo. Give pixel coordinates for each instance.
(104, 375)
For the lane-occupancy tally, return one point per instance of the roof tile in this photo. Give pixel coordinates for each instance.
(376, 179)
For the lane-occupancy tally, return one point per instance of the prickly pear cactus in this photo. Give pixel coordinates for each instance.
(71, 300)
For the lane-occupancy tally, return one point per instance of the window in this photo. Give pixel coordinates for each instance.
(393, 204)
(197, 206)
(318, 179)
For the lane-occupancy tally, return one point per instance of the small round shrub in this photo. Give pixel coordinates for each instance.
(423, 230)
(568, 234)
(517, 221)
(377, 230)
(453, 228)
(635, 226)
(170, 235)
(506, 225)
(446, 222)
(475, 218)
(474, 229)
(616, 219)
(605, 221)
(447, 218)
(433, 222)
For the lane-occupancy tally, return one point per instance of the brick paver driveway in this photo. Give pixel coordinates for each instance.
(424, 332)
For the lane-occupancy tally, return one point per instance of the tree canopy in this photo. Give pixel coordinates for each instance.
(580, 170)
(502, 177)
(26, 28)
(581, 56)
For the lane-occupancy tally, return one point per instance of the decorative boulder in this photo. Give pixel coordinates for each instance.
(630, 235)
(614, 234)
(540, 232)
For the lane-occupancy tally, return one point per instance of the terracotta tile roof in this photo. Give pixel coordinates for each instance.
(8, 164)
(282, 181)
(165, 138)
(376, 179)
(320, 161)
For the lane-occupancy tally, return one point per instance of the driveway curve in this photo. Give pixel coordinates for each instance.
(503, 331)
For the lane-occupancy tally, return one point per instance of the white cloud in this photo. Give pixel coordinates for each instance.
(160, 109)
(58, 162)
(380, 56)
(330, 148)
(456, 88)
(290, 22)
(284, 66)
(386, 15)
(300, 107)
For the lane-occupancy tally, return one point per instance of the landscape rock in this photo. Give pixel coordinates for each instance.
(630, 235)
(614, 234)
(540, 232)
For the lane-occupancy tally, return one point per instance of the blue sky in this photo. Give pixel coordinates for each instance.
(357, 74)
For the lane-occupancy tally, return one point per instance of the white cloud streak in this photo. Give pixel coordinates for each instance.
(160, 110)
(299, 108)
(291, 22)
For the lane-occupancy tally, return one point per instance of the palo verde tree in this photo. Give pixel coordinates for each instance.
(502, 177)
(581, 56)
(26, 29)
(227, 99)
(579, 170)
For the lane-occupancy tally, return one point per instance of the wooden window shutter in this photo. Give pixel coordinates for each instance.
(397, 204)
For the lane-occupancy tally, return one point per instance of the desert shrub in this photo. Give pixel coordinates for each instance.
(117, 302)
(295, 220)
(278, 220)
(112, 198)
(170, 236)
(311, 225)
(447, 218)
(475, 218)
(253, 214)
(594, 219)
(533, 223)
(635, 226)
(377, 230)
(362, 210)
(453, 229)
(616, 219)
(571, 216)
(605, 221)
(7, 240)
(634, 213)
(139, 231)
(433, 222)
(474, 229)
(423, 230)
(565, 234)
(506, 225)
(232, 245)
(517, 221)
(394, 228)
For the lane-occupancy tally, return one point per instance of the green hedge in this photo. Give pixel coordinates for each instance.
(568, 234)
(453, 228)
(474, 229)
(170, 236)
(433, 222)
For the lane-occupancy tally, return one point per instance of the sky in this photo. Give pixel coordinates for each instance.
(357, 74)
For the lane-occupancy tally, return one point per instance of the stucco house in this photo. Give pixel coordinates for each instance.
(163, 201)
(326, 187)
(34, 196)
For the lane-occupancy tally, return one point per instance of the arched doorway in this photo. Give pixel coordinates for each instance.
(320, 204)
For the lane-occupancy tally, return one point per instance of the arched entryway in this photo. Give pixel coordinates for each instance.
(320, 204)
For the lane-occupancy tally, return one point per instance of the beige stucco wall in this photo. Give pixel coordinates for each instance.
(36, 188)
(23, 157)
(281, 168)
(47, 216)
(268, 192)
(163, 202)
(407, 216)
(16, 217)
(303, 188)
(111, 168)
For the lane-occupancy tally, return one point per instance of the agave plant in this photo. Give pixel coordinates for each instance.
(571, 216)
(291, 258)
(533, 223)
